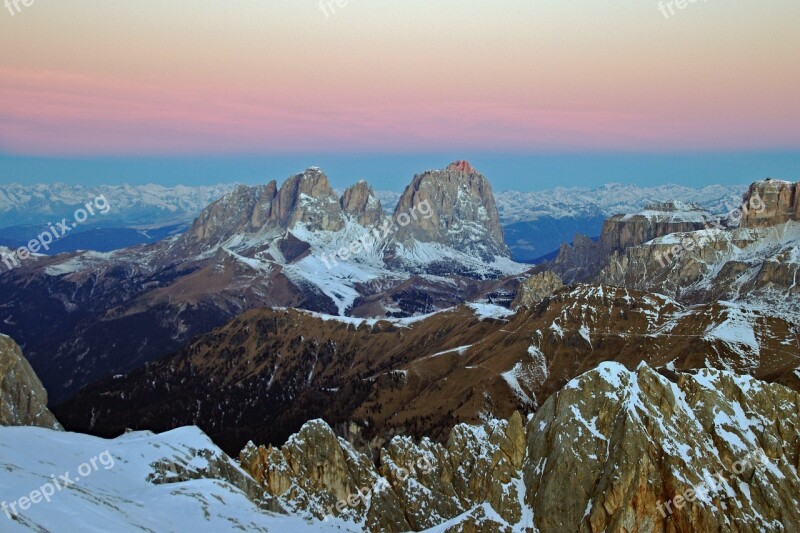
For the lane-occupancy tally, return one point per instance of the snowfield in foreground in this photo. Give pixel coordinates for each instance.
(121, 498)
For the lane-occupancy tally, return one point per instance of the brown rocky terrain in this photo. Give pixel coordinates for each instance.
(268, 371)
(614, 450)
(23, 399)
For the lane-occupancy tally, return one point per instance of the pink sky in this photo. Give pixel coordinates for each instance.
(381, 75)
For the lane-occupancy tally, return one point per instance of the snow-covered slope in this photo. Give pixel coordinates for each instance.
(131, 487)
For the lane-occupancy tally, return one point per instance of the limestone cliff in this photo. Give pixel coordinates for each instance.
(308, 198)
(771, 202)
(657, 219)
(23, 399)
(757, 262)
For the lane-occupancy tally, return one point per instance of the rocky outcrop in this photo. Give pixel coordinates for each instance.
(360, 202)
(771, 202)
(463, 212)
(415, 486)
(23, 399)
(614, 450)
(536, 288)
(633, 451)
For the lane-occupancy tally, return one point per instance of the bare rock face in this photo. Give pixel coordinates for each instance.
(464, 214)
(771, 202)
(581, 261)
(243, 209)
(536, 288)
(757, 264)
(308, 198)
(416, 485)
(23, 399)
(262, 211)
(315, 470)
(360, 202)
(614, 450)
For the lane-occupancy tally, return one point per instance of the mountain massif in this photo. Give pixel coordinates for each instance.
(85, 316)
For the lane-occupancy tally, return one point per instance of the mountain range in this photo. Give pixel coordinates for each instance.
(398, 370)
(535, 223)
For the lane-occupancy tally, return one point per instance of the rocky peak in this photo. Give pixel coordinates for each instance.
(233, 213)
(23, 399)
(359, 200)
(304, 198)
(309, 199)
(262, 211)
(770, 202)
(462, 212)
(462, 166)
(581, 261)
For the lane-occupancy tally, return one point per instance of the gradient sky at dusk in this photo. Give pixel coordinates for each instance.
(282, 79)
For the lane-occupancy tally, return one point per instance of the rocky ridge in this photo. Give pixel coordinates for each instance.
(614, 450)
(419, 377)
(582, 261)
